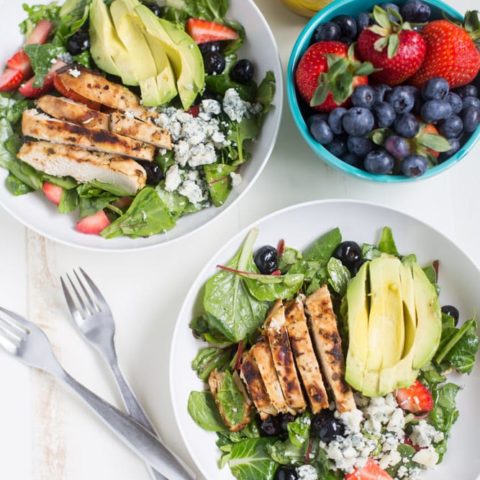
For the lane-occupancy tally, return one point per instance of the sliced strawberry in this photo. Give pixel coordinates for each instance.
(40, 33)
(69, 93)
(203, 31)
(29, 91)
(53, 192)
(415, 399)
(20, 61)
(371, 471)
(94, 224)
(10, 79)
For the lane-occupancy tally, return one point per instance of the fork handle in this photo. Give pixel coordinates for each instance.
(132, 433)
(134, 408)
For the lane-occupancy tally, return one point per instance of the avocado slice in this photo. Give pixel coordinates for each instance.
(183, 53)
(429, 318)
(358, 308)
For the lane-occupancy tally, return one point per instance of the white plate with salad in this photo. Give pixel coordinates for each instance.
(125, 124)
(275, 386)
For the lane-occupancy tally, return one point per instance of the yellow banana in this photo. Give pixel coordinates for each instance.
(307, 8)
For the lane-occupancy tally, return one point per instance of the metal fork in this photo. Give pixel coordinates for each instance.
(28, 343)
(94, 320)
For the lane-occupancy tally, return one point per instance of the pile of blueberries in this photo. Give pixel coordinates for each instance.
(400, 113)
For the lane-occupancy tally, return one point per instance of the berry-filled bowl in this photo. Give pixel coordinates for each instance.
(387, 92)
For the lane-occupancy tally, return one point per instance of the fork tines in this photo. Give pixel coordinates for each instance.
(12, 331)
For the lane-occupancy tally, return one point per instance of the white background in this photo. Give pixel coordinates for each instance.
(47, 434)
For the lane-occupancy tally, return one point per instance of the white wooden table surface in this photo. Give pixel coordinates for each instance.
(45, 433)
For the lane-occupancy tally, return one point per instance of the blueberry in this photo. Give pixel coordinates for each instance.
(352, 160)
(348, 26)
(471, 119)
(407, 125)
(381, 90)
(455, 101)
(452, 311)
(266, 259)
(379, 161)
(402, 99)
(316, 117)
(285, 472)
(326, 427)
(335, 120)
(454, 148)
(338, 147)
(435, 89)
(364, 96)
(156, 9)
(415, 11)
(358, 121)
(214, 63)
(242, 71)
(360, 146)
(452, 127)
(153, 170)
(363, 21)
(327, 32)
(270, 427)
(321, 132)
(436, 110)
(414, 166)
(397, 146)
(79, 42)
(349, 253)
(471, 102)
(210, 47)
(391, 6)
(467, 91)
(385, 114)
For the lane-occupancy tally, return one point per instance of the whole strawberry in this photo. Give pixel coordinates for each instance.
(451, 52)
(328, 73)
(392, 47)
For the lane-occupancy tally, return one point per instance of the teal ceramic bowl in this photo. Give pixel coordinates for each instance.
(298, 107)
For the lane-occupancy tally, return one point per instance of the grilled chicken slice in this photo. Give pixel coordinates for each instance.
(305, 357)
(276, 332)
(66, 109)
(84, 166)
(38, 125)
(250, 374)
(263, 358)
(96, 88)
(215, 381)
(323, 325)
(143, 131)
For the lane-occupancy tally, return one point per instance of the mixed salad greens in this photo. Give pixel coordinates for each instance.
(201, 95)
(396, 434)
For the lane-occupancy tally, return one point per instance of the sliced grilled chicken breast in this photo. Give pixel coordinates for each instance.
(263, 357)
(323, 325)
(98, 89)
(215, 381)
(251, 376)
(38, 125)
(84, 166)
(305, 357)
(276, 332)
(66, 109)
(143, 131)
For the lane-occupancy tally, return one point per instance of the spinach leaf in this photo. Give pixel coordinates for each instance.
(25, 173)
(369, 252)
(339, 276)
(247, 129)
(175, 203)
(12, 106)
(68, 202)
(35, 13)
(41, 57)
(219, 183)
(204, 412)
(68, 183)
(209, 359)
(235, 45)
(445, 412)
(147, 215)
(289, 257)
(406, 452)
(324, 467)
(286, 453)
(431, 274)
(73, 16)
(231, 399)
(299, 430)
(387, 243)
(322, 250)
(92, 199)
(266, 92)
(249, 460)
(233, 311)
(16, 187)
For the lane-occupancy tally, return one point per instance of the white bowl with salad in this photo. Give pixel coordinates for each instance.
(331, 340)
(127, 124)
